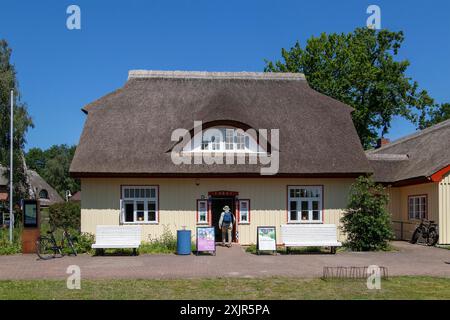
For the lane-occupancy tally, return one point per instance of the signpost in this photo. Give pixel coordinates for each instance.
(11, 214)
(31, 232)
(266, 239)
(206, 241)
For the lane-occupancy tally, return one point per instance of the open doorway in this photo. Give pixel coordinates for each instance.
(217, 204)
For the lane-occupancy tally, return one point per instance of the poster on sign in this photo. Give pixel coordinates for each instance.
(206, 240)
(267, 239)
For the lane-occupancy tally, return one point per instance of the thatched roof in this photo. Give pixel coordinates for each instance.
(37, 184)
(128, 132)
(417, 156)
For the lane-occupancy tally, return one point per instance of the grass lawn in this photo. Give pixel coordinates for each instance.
(229, 288)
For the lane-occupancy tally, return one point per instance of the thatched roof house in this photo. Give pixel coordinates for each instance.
(39, 188)
(417, 170)
(129, 176)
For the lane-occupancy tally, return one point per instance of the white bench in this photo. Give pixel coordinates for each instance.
(117, 237)
(310, 235)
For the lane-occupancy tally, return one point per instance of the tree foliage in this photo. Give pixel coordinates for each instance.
(361, 70)
(366, 220)
(53, 166)
(65, 215)
(22, 122)
(433, 114)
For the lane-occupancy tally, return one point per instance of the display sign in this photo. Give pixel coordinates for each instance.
(206, 241)
(266, 239)
(30, 214)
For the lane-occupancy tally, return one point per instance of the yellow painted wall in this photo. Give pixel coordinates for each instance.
(177, 202)
(444, 210)
(398, 206)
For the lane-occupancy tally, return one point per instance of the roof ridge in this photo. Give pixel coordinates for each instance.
(133, 74)
(388, 157)
(414, 135)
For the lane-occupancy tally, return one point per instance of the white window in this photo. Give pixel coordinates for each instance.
(139, 204)
(417, 207)
(244, 211)
(202, 211)
(305, 204)
(225, 139)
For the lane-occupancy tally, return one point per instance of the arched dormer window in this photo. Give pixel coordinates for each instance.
(43, 194)
(224, 139)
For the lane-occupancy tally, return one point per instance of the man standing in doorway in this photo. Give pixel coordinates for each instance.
(226, 225)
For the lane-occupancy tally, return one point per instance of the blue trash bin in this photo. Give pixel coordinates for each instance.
(184, 242)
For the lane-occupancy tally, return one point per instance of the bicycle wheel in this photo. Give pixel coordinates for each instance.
(70, 241)
(416, 236)
(433, 237)
(45, 248)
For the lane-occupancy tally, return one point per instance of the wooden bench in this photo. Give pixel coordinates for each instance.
(117, 237)
(310, 235)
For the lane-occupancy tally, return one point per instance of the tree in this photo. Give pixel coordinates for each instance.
(359, 69)
(433, 114)
(65, 215)
(366, 220)
(53, 166)
(22, 122)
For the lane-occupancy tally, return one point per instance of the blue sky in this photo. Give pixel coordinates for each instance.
(61, 70)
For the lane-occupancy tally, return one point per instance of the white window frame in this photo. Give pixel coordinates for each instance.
(415, 205)
(230, 140)
(298, 199)
(135, 199)
(199, 221)
(241, 221)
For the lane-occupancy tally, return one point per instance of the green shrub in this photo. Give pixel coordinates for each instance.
(166, 243)
(83, 243)
(251, 248)
(6, 247)
(366, 221)
(65, 215)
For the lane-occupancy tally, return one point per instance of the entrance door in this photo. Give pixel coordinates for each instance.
(217, 204)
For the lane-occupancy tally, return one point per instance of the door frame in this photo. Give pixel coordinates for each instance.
(225, 194)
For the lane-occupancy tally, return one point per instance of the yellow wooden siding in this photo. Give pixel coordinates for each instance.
(177, 202)
(398, 207)
(444, 210)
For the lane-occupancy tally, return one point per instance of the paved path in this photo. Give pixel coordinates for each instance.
(229, 262)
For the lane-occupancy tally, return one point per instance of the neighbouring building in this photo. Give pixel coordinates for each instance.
(39, 189)
(76, 197)
(416, 170)
(124, 156)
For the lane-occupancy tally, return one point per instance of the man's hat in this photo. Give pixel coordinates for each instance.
(226, 208)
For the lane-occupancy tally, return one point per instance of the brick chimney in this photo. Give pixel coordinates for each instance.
(382, 142)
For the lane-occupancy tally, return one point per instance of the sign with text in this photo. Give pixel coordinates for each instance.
(267, 239)
(206, 239)
(30, 213)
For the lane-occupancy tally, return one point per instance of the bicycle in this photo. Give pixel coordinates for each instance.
(428, 230)
(47, 247)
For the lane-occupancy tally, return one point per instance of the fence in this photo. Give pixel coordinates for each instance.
(403, 230)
